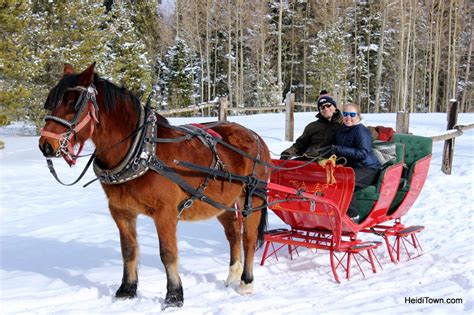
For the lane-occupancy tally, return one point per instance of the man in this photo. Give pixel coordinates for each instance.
(318, 135)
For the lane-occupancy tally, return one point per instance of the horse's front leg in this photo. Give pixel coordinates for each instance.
(166, 226)
(250, 236)
(232, 232)
(126, 223)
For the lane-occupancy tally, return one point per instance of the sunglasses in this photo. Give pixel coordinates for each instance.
(349, 114)
(326, 106)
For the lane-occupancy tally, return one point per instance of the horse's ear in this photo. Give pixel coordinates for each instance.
(68, 69)
(87, 76)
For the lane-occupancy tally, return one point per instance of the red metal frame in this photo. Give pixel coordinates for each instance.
(351, 252)
(420, 172)
(399, 239)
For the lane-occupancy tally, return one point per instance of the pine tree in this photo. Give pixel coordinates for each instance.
(15, 61)
(178, 75)
(328, 60)
(128, 62)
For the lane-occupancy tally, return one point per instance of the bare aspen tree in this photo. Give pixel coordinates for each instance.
(208, 70)
(413, 14)
(241, 59)
(380, 52)
(237, 51)
(401, 77)
(455, 55)
(229, 50)
(292, 57)
(467, 71)
(437, 55)
(407, 58)
(305, 48)
(367, 92)
(198, 38)
(280, 22)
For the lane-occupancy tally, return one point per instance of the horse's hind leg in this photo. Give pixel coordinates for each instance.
(126, 223)
(232, 232)
(252, 224)
(166, 223)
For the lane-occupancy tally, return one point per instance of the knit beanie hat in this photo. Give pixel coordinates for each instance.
(324, 98)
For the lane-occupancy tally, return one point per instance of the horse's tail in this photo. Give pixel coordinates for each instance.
(262, 227)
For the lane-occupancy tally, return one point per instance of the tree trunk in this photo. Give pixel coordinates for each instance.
(280, 21)
(378, 75)
(305, 50)
(201, 59)
(413, 88)
(229, 51)
(466, 74)
(437, 56)
(208, 63)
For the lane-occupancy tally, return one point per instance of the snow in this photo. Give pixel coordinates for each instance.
(60, 249)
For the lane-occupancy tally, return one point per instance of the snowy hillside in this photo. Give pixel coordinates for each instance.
(60, 252)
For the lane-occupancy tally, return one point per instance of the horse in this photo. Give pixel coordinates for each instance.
(136, 177)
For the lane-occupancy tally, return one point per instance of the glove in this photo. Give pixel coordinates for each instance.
(288, 153)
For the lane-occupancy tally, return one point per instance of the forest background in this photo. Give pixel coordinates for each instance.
(386, 55)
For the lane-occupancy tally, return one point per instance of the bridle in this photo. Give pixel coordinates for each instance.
(85, 102)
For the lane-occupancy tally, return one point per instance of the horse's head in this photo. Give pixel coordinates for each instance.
(73, 114)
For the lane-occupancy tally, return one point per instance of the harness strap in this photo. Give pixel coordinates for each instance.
(161, 168)
(55, 175)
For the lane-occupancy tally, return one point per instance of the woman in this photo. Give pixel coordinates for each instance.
(318, 135)
(354, 142)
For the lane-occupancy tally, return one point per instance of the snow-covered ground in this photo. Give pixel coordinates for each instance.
(60, 252)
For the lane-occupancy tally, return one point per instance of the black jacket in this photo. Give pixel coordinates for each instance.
(355, 144)
(318, 134)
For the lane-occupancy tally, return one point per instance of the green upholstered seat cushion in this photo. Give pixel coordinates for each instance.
(416, 147)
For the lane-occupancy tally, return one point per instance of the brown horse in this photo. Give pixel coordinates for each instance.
(84, 106)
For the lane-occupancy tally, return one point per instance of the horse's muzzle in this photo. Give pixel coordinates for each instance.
(47, 149)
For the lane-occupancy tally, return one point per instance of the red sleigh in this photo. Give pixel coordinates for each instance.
(314, 209)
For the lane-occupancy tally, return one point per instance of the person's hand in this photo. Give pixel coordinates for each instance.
(288, 153)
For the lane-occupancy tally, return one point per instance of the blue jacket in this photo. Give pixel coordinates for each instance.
(355, 144)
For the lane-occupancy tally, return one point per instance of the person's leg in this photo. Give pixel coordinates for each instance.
(363, 177)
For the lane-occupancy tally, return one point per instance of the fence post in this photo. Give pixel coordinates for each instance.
(337, 94)
(223, 104)
(289, 116)
(448, 151)
(403, 122)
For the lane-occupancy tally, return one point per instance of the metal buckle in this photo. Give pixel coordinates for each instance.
(188, 203)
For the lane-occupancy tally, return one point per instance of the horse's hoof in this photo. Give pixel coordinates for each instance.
(245, 288)
(235, 272)
(173, 301)
(127, 291)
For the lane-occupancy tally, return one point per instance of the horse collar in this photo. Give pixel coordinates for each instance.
(135, 163)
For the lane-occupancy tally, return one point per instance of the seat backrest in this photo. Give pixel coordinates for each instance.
(416, 147)
(417, 156)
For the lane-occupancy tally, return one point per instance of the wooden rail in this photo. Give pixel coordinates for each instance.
(187, 110)
(453, 133)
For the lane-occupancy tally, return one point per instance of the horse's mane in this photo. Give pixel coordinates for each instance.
(111, 93)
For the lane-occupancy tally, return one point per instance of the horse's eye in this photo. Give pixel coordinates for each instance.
(70, 103)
